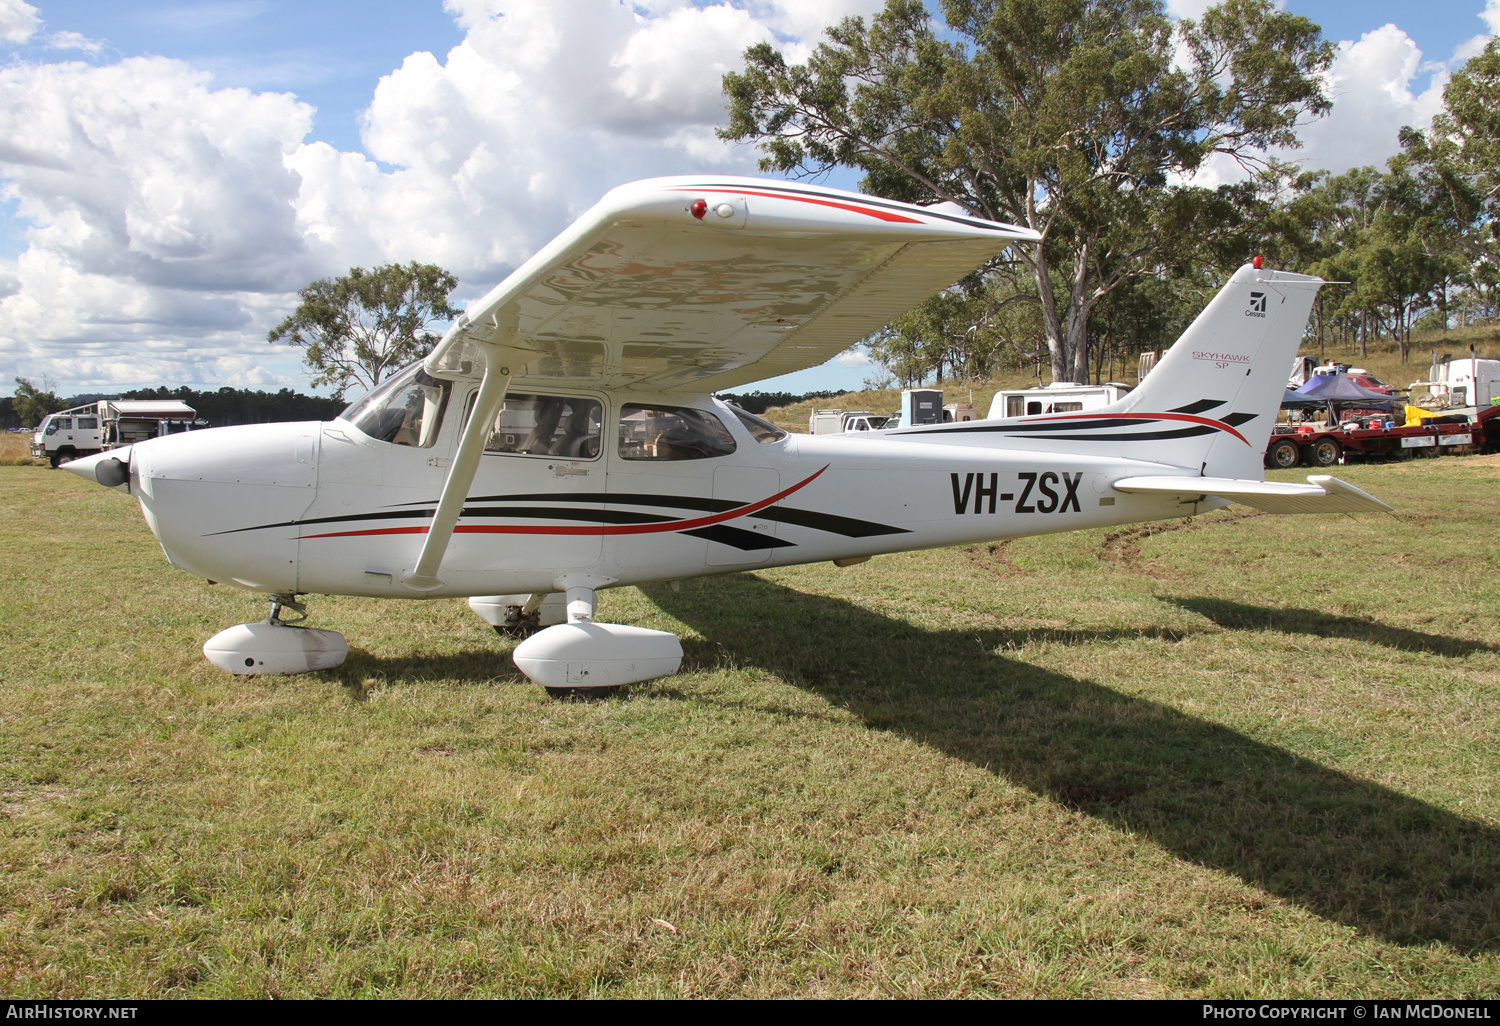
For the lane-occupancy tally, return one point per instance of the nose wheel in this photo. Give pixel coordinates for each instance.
(282, 601)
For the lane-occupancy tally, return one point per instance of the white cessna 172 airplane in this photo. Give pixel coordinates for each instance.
(562, 437)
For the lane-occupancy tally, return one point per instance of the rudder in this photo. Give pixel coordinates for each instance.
(1225, 376)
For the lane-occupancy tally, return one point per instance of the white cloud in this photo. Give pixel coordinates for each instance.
(73, 41)
(1371, 84)
(18, 21)
(1470, 47)
(166, 222)
(538, 112)
(163, 232)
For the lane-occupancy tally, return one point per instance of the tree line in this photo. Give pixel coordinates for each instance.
(221, 407)
(1086, 120)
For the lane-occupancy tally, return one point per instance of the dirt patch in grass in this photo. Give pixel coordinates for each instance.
(995, 556)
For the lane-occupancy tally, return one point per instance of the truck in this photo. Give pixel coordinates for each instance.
(108, 424)
(832, 422)
(1372, 438)
(1058, 397)
(1458, 384)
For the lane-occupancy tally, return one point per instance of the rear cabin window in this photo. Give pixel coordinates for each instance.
(761, 429)
(1067, 407)
(671, 433)
(88, 423)
(547, 425)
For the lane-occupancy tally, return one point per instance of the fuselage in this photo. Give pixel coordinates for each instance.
(593, 483)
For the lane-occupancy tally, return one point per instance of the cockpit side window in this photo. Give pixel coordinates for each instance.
(407, 410)
(568, 427)
(671, 433)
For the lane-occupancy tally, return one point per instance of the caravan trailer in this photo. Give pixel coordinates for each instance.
(1058, 397)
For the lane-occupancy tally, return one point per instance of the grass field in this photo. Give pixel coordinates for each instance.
(1243, 756)
(15, 450)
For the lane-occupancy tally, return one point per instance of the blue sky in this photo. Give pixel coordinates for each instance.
(173, 171)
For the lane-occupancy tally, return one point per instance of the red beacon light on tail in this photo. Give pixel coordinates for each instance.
(1254, 263)
(700, 207)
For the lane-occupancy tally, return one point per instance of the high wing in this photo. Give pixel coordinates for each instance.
(696, 284)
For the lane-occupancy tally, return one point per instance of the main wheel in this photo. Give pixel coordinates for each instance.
(1283, 454)
(1325, 453)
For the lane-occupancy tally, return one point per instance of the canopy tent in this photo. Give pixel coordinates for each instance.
(1338, 388)
(1293, 401)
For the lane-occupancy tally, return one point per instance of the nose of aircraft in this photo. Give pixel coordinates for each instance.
(224, 503)
(110, 469)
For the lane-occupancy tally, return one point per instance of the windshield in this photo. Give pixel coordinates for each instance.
(406, 410)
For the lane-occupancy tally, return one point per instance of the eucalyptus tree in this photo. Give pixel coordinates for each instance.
(1458, 162)
(359, 328)
(31, 403)
(1078, 118)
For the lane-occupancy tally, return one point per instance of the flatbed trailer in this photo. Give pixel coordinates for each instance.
(1325, 447)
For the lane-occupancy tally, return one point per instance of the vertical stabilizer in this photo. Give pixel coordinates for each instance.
(1224, 379)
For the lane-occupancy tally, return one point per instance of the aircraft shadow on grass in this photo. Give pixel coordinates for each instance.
(1235, 616)
(1348, 850)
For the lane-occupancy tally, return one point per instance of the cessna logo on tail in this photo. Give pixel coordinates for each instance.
(1257, 305)
(1045, 500)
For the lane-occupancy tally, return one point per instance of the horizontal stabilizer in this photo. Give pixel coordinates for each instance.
(1322, 494)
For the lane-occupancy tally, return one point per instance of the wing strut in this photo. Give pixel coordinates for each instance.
(498, 365)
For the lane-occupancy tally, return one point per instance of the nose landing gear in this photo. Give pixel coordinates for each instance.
(275, 645)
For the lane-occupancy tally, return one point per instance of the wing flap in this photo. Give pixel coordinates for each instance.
(1322, 494)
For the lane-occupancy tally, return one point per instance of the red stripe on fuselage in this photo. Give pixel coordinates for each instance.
(671, 525)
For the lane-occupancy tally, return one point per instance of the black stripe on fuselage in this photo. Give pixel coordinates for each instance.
(849, 527)
(747, 541)
(1197, 407)
(602, 516)
(846, 526)
(1028, 428)
(1138, 436)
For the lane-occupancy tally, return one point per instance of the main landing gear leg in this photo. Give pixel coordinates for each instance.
(584, 659)
(519, 616)
(275, 645)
